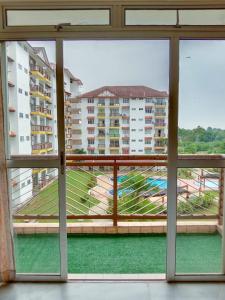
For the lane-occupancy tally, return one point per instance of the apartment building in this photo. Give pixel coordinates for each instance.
(32, 116)
(120, 120)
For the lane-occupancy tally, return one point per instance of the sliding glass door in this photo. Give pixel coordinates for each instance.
(35, 156)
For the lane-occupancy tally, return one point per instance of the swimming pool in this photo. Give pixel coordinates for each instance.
(159, 183)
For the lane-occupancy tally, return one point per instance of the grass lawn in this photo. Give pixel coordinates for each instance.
(132, 253)
(46, 202)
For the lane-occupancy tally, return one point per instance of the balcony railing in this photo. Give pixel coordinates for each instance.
(41, 128)
(41, 109)
(128, 187)
(41, 146)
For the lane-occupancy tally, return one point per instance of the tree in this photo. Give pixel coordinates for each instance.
(79, 151)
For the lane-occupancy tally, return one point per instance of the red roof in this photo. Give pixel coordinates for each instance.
(138, 91)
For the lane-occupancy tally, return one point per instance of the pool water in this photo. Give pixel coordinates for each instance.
(159, 183)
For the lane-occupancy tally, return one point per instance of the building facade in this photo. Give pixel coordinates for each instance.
(120, 120)
(32, 113)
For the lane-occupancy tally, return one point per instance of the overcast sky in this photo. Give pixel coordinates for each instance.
(202, 72)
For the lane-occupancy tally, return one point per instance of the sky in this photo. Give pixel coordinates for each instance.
(143, 62)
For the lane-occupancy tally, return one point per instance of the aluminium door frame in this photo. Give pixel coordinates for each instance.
(51, 161)
(136, 32)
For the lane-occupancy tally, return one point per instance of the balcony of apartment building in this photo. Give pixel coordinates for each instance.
(114, 134)
(114, 103)
(160, 124)
(101, 113)
(41, 148)
(101, 134)
(41, 111)
(114, 123)
(41, 129)
(39, 73)
(160, 103)
(101, 103)
(68, 122)
(101, 124)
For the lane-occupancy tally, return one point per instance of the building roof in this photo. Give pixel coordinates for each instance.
(72, 77)
(138, 91)
(41, 52)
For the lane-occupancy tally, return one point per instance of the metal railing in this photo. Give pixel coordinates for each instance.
(125, 187)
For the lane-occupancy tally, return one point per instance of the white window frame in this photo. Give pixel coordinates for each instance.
(117, 30)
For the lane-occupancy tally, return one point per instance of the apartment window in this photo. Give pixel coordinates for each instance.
(133, 140)
(21, 115)
(91, 121)
(91, 131)
(140, 119)
(91, 141)
(91, 110)
(27, 116)
(148, 131)
(148, 141)
(26, 93)
(140, 140)
(91, 151)
(20, 66)
(133, 119)
(149, 100)
(27, 138)
(133, 150)
(28, 181)
(133, 129)
(23, 185)
(90, 100)
(126, 142)
(140, 150)
(125, 100)
(22, 138)
(141, 108)
(133, 108)
(20, 91)
(148, 110)
(141, 129)
(148, 121)
(25, 71)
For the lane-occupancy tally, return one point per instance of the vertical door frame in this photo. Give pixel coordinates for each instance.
(54, 161)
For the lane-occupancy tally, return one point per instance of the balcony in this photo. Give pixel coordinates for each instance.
(160, 114)
(101, 197)
(114, 125)
(101, 146)
(41, 129)
(160, 125)
(41, 148)
(41, 111)
(101, 115)
(101, 125)
(39, 73)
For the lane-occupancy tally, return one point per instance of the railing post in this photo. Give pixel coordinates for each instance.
(221, 197)
(115, 194)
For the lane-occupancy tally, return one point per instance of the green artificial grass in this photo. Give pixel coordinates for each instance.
(134, 253)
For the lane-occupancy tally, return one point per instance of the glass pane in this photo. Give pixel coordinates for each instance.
(201, 97)
(202, 17)
(124, 111)
(55, 17)
(150, 17)
(31, 99)
(122, 108)
(35, 210)
(199, 219)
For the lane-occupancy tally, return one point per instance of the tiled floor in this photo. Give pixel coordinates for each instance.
(113, 291)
